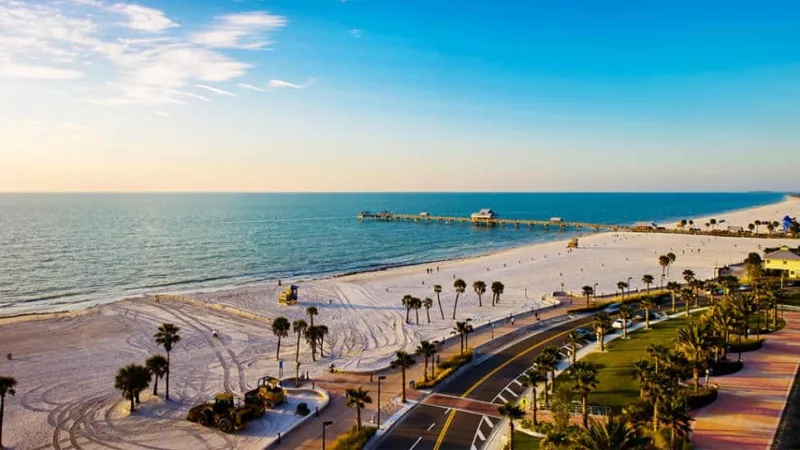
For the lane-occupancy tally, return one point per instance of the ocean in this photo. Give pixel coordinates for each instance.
(65, 251)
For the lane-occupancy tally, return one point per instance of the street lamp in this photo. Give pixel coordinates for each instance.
(594, 292)
(629, 285)
(380, 377)
(325, 424)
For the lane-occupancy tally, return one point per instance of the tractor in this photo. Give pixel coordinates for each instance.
(224, 414)
(269, 393)
(288, 296)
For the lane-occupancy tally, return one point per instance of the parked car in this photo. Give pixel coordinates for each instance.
(584, 333)
(620, 323)
(612, 308)
(653, 316)
(745, 288)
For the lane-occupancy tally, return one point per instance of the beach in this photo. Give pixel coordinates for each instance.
(65, 363)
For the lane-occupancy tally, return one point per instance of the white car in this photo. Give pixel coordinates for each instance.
(620, 324)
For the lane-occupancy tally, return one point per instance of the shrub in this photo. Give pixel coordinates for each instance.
(747, 345)
(302, 409)
(354, 439)
(702, 398)
(725, 367)
(446, 368)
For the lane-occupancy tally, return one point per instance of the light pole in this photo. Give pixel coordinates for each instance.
(325, 425)
(594, 292)
(380, 377)
(466, 333)
(629, 285)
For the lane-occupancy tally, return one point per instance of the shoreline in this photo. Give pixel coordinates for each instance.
(353, 274)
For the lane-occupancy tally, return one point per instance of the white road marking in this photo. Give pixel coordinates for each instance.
(488, 421)
(415, 443)
(517, 382)
(480, 435)
(432, 425)
(446, 411)
(473, 447)
(512, 392)
(502, 398)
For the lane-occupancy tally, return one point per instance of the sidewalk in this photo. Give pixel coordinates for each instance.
(750, 403)
(309, 436)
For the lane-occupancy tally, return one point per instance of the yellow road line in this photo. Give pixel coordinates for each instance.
(486, 377)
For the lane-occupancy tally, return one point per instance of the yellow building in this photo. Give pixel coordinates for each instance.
(784, 260)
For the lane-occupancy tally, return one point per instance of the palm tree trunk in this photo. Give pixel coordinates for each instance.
(297, 351)
(587, 300)
(625, 329)
(758, 323)
(480, 300)
(655, 414)
(278, 351)
(416, 310)
(673, 302)
(2, 414)
(358, 418)
(428, 312)
(438, 300)
(546, 393)
(408, 311)
(574, 356)
(585, 410)
(133, 405)
(155, 388)
(647, 319)
(425, 371)
(455, 305)
(169, 369)
(553, 380)
(403, 371)
(535, 406)
(511, 436)
(321, 345)
(696, 376)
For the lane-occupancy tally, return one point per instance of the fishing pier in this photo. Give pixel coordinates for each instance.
(487, 218)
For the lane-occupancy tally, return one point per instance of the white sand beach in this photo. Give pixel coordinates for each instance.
(66, 364)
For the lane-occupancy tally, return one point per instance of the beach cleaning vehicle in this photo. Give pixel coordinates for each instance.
(223, 413)
(288, 296)
(269, 392)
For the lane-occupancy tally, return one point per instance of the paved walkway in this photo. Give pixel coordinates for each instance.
(750, 403)
(309, 436)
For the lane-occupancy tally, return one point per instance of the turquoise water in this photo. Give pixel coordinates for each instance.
(59, 251)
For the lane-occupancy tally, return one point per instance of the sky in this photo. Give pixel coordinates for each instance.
(399, 95)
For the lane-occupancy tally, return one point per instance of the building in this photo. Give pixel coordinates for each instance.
(484, 217)
(642, 226)
(784, 260)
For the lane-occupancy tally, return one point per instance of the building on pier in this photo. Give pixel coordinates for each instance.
(484, 217)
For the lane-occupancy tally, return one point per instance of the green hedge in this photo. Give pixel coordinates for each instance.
(748, 345)
(726, 367)
(445, 369)
(633, 298)
(703, 398)
(354, 440)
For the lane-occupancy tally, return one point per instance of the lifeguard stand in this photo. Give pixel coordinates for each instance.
(288, 296)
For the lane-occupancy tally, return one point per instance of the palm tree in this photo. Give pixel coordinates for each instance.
(497, 289)
(540, 365)
(407, 303)
(687, 294)
(460, 286)
(584, 379)
(614, 433)
(511, 412)
(663, 261)
(167, 336)
(601, 323)
(555, 440)
(688, 275)
(312, 339)
(723, 321)
(694, 342)
(480, 288)
(416, 304)
(428, 304)
(322, 331)
(358, 398)
(587, 292)
(299, 326)
(672, 259)
(626, 314)
(712, 222)
(6, 388)
(673, 288)
(550, 358)
(757, 223)
(280, 328)
(312, 311)
(573, 340)
(648, 280)
(648, 303)
(770, 228)
(674, 414)
(750, 227)
(462, 329)
(643, 373)
(427, 350)
(531, 378)
(437, 289)
(131, 380)
(157, 365)
(744, 309)
(621, 285)
(403, 360)
(658, 353)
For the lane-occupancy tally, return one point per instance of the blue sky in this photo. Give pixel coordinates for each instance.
(375, 95)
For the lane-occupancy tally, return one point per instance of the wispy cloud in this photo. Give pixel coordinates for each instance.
(251, 87)
(356, 33)
(161, 114)
(141, 18)
(215, 90)
(12, 70)
(286, 84)
(242, 31)
(195, 96)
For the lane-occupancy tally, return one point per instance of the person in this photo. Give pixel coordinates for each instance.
(512, 321)
(214, 332)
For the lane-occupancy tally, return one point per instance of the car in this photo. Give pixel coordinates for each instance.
(612, 308)
(653, 316)
(620, 324)
(584, 333)
(745, 288)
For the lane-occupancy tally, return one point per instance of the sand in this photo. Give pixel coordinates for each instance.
(65, 364)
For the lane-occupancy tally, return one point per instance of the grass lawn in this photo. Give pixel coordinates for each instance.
(525, 441)
(617, 387)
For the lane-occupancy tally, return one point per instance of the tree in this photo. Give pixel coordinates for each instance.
(460, 286)
(157, 365)
(480, 288)
(682, 223)
(626, 314)
(614, 433)
(540, 365)
(621, 285)
(437, 289)
(416, 305)
(312, 339)
(770, 228)
(601, 323)
(587, 292)
(358, 399)
(550, 358)
(574, 340)
(757, 224)
(672, 259)
(428, 304)
(722, 320)
(559, 409)
(131, 380)
(407, 302)
(687, 294)
(299, 326)
(674, 414)
(643, 373)
(658, 354)
(531, 378)
(688, 276)
(280, 328)
(663, 261)
(322, 331)
(312, 311)
(647, 280)
(462, 329)
(403, 360)
(673, 288)
(555, 440)
(712, 222)
(647, 304)
(497, 289)
(7, 385)
(511, 412)
(584, 381)
(694, 341)
(750, 227)
(752, 266)
(427, 350)
(167, 336)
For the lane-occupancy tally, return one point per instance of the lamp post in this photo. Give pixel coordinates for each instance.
(325, 425)
(466, 333)
(380, 377)
(594, 292)
(629, 285)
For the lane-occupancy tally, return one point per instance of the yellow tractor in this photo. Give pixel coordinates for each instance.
(288, 296)
(269, 393)
(224, 414)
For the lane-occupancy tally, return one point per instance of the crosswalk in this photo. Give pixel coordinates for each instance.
(483, 432)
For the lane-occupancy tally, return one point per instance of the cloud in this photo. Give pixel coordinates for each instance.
(215, 90)
(242, 31)
(286, 84)
(356, 33)
(161, 114)
(141, 18)
(198, 97)
(11, 70)
(251, 87)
